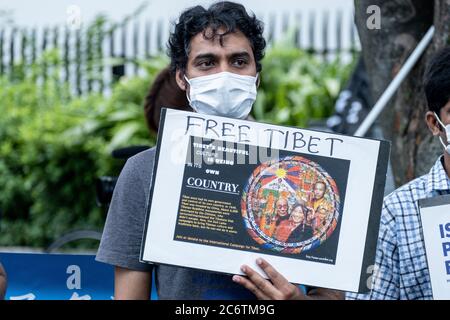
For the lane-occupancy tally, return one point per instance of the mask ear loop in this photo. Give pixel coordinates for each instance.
(443, 127)
(439, 120)
(187, 95)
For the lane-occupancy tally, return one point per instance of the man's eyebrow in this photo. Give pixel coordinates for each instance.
(243, 54)
(205, 56)
(234, 55)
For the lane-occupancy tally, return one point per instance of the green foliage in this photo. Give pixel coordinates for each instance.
(53, 145)
(297, 87)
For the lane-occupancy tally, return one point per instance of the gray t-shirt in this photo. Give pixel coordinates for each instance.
(122, 236)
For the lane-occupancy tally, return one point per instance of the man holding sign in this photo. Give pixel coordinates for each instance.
(401, 270)
(216, 54)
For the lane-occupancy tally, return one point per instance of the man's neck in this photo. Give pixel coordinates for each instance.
(447, 163)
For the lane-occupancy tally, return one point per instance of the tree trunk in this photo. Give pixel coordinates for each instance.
(403, 24)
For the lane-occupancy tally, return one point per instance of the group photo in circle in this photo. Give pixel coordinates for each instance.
(290, 205)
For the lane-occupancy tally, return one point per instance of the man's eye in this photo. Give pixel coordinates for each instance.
(206, 64)
(240, 62)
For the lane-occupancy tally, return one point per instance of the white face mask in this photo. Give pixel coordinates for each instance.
(223, 94)
(447, 131)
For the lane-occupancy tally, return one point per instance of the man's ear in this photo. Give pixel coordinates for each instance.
(432, 123)
(181, 82)
(258, 81)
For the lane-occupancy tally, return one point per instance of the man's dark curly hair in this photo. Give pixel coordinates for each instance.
(228, 15)
(437, 80)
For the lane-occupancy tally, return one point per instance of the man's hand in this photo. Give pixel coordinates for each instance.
(278, 288)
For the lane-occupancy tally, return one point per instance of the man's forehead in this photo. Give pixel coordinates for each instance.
(231, 43)
(446, 107)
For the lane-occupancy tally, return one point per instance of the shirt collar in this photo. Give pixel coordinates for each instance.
(437, 178)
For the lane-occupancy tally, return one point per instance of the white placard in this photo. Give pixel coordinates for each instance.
(435, 216)
(219, 215)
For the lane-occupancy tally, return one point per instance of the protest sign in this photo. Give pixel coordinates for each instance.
(435, 217)
(225, 192)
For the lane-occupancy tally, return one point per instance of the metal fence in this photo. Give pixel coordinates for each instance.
(92, 59)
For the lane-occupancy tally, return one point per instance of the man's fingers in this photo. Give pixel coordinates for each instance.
(278, 289)
(285, 289)
(261, 283)
(251, 287)
(277, 279)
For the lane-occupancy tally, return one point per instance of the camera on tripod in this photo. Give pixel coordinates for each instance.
(104, 186)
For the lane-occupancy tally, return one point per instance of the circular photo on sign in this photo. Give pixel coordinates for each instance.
(290, 205)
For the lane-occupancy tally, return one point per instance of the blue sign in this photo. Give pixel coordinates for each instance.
(57, 277)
